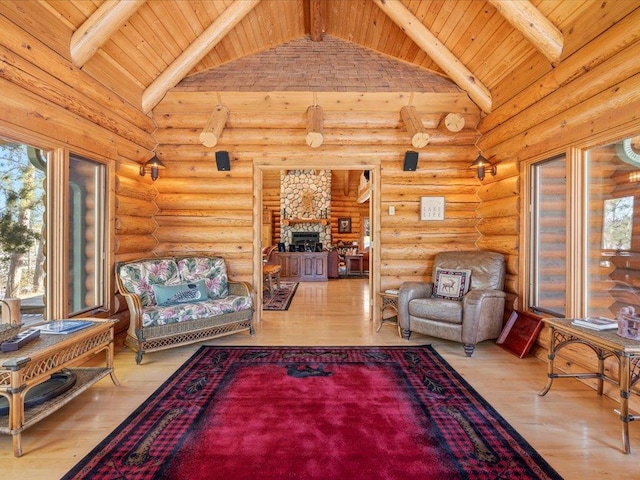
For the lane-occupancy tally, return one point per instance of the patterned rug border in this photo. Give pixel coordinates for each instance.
(542, 467)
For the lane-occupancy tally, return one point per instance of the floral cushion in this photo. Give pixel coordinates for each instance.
(212, 269)
(158, 315)
(190, 292)
(138, 277)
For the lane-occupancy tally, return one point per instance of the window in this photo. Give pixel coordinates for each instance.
(22, 200)
(613, 218)
(602, 194)
(53, 219)
(617, 223)
(548, 248)
(86, 227)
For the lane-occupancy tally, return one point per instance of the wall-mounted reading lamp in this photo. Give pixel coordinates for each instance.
(481, 164)
(152, 166)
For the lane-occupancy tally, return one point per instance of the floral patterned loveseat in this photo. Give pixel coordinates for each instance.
(181, 300)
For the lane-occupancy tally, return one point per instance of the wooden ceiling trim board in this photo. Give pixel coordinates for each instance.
(481, 38)
(585, 28)
(110, 74)
(536, 28)
(499, 70)
(165, 17)
(126, 57)
(496, 64)
(613, 40)
(490, 49)
(194, 53)
(71, 13)
(454, 20)
(440, 54)
(99, 27)
(154, 35)
(191, 18)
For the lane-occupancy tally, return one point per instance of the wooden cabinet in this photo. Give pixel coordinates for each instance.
(303, 266)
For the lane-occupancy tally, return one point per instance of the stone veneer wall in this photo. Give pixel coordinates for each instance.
(305, 194)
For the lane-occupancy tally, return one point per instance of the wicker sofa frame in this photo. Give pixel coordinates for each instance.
(142, 339)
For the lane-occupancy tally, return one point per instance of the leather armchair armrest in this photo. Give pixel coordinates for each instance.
(408, 291)
(482, 304)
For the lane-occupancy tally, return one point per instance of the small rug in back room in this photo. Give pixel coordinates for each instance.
(281, 298)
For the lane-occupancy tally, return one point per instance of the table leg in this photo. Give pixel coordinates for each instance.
(625, 373)
(550, 357)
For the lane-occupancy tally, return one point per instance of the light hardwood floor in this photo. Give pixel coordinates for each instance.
(574, 429)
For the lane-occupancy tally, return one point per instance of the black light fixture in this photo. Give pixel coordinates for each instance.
(152, 166)
(481, 164)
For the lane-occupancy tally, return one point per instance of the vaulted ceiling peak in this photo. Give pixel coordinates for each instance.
(333, 65)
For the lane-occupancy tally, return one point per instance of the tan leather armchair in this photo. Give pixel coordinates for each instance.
(444, 309)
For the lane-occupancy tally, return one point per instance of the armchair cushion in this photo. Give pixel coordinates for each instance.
(451, 284)
(445, 310)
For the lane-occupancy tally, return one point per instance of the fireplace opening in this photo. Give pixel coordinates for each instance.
(302, 238)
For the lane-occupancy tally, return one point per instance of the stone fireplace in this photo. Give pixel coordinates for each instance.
(305, 200)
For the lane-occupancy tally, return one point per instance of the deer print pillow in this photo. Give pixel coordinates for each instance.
(451, 284)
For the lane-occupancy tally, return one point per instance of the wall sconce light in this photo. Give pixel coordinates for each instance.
(152, 166)
(481, 164)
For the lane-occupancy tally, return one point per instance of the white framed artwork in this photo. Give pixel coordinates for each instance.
(432, 208)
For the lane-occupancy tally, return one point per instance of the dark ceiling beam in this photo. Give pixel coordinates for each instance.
(316, 21)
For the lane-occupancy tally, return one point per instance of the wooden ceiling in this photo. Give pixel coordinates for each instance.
(491, 49)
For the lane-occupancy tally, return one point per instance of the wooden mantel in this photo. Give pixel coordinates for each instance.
(293, 221)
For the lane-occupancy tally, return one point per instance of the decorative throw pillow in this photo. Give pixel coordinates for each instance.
(182, 293)
(451, 284)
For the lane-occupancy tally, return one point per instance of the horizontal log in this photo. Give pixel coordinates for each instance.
(228, 219)
(21, 107)
(180, 101)
(333, 136)
(609, 73)
(141, 244)
(130, 225)
(203, 234)
(502, 207)
(135, 207)
(499, 225)
(201, 185)
(35, 52)
(604, 46)
(31, 78)
(575, 123)
(201, 201)
(230, 251)
(507, 187)
(287, 120)
(130, 187)
(506, 244)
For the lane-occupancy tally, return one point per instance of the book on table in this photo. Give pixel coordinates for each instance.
(596, 323)
(63, 327)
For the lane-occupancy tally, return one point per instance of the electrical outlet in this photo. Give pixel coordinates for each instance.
(392, 210)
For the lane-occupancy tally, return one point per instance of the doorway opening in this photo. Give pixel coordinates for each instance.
(368, 229)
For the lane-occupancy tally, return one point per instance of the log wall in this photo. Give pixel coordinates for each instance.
(561, 111)
(49, 103)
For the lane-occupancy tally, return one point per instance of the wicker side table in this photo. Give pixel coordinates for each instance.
(34, 364)
(388, 301)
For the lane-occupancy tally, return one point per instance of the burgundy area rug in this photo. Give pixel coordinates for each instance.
(314, 413)
(281, 298)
